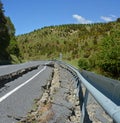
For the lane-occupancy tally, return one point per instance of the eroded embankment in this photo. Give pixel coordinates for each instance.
(59, 103)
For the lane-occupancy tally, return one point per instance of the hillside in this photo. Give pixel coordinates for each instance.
(94, 47)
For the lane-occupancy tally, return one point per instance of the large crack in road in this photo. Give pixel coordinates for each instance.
(59, 102)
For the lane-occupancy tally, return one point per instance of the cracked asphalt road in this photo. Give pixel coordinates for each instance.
(17, 104)
(56, 98)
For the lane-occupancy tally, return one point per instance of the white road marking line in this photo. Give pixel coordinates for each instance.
(17, 88)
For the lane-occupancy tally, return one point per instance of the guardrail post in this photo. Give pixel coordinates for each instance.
(84, 113)
(80, 94)
(60, 56)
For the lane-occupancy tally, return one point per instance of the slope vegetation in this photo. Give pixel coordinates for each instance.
(94, 47)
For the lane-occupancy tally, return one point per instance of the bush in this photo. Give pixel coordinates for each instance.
(83, 64)
(109, 57)
(13, 47)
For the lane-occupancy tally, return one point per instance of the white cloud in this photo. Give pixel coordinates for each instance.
(106, 18)
(109, 18)
(81, 19)
(113, 16)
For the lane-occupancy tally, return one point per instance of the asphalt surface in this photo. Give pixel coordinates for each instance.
(17, 97)
(7, 69)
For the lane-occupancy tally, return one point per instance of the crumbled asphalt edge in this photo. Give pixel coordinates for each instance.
(59, 103)
(95, 111)
(12, 76)
(68, 82)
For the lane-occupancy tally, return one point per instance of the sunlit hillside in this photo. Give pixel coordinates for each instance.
(93, 47)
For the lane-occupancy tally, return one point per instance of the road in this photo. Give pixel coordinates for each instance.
(47, 93)
(6, 69)
(17, 96)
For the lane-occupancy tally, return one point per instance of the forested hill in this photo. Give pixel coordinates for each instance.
(95, 46)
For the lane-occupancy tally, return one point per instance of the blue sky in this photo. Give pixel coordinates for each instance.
(28, 15)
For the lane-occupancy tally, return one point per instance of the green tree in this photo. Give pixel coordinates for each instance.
(10, 27)
(13, 46)
(118, 20)
(83, 63)
(4, 35)
(109, 55)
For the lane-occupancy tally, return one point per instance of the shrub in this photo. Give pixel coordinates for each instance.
(83, 64)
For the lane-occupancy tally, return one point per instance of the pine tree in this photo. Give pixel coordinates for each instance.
(4, 35)
(13, 46)
(10, 26)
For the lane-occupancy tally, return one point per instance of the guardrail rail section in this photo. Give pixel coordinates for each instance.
(105, 91)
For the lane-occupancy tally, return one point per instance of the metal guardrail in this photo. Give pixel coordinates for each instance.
(106, 93)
